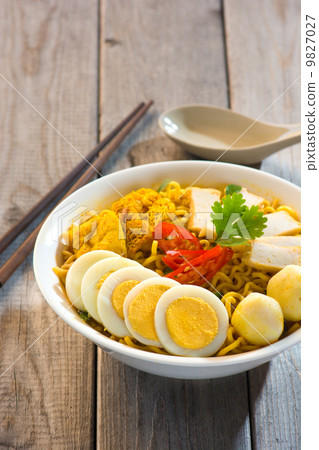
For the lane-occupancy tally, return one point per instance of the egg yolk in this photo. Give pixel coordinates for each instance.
(103, 278)
(119, 294)
(142, 308)
(191, 322)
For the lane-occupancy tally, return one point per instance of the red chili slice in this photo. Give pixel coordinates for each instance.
(175, 258)
(202, 269)
(174, 237)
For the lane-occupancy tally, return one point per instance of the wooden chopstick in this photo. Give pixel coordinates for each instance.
(26, 247)
(11, 234)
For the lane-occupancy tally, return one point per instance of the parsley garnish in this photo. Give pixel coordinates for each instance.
(235, 223)
(231, 188)
(163, 185)
(85, 316)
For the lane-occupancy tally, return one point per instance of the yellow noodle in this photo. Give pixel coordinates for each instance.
(160, 272)
(251, 287)
(245, 348)
(154, 248)
(289, 210)
(60, 273)
(154, 349)
(293, 328)
(269, 210)
(159, 263)
(230, 300)
(72, 258)
(229, 307)
(248, 347)
(181, 212)
(230, 336)
(151, 259)
(67, 254)
(205, 244)
(139, 255)
(128, 341)
(275, 203)
(261, 275)
(230, 347)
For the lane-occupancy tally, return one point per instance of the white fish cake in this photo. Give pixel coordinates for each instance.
(280, 223)
(251, 199)
(281, 241)
(201, 202)
(271, 258)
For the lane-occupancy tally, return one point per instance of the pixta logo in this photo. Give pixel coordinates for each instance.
(66, 221)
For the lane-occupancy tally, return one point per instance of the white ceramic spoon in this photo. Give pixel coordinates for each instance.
(218, 133)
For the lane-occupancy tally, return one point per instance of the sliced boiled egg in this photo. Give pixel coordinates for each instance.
(139, 307)
(258, 319)
(112, 294)
(94, 278)
(191, 321)
(76, 272)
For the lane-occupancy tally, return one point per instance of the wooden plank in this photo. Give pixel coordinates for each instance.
(263, 52)
(172, 52)
(275, 402)
(137, 410)
(49, 52)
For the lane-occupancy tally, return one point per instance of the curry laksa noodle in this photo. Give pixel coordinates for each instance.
(187, 271)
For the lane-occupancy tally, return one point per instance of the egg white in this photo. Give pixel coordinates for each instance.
(131, 296)
(89, 289)
(112, 322)
(76, 272)
(190, 291)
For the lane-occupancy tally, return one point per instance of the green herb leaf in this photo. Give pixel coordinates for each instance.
(167, 270)
(235, 223)
(85, 316)
(163, 185)
(231, 188)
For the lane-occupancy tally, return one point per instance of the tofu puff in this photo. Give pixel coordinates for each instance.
(249, 271)
(100, 232)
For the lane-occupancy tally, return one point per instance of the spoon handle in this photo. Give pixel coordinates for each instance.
(293, 127)
(293, 134)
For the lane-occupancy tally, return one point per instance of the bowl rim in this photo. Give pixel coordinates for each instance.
(111, 346)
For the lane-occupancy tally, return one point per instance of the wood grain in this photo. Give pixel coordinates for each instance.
(49, 53)
(84, 65)
(146, 51)
(275, 407)
(263, 53)
(137, 410)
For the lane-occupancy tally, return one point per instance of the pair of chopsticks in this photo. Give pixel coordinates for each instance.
(102, 152)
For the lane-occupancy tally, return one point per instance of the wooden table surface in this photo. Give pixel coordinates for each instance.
(78, 67)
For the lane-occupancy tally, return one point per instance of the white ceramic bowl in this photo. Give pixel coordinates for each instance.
(101, 193)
